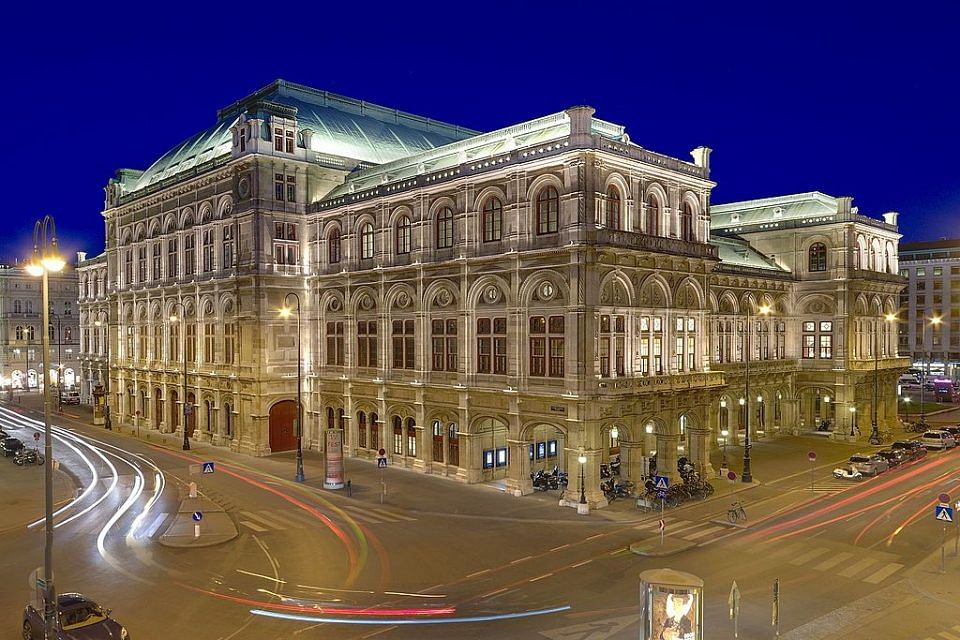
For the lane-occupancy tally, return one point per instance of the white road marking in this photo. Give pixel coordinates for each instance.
(704, 532)
(253, 526)
(946, 635)
(843, 556)
(270, 524)
(152, 529)
(592, 537)
(519, 560)
(808, 556)
(580, 564)
(854, 569)
(563, 546)
(493, 593)
(882, 574)
(546, 575)
(479, 573)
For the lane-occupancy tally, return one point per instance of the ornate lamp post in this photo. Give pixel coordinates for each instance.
(285, 312)
(747, 476)
(183, 347)
(853, 421)
(47, 259)
(582, 506)
(935, 323)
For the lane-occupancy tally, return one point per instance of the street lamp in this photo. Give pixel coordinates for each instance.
(935, 323)
(582, 459)
(724, 432)
(46, 260)
(853, 421)
(874, 430)
(183, 347)
(285, 312)
(764, 310)
(106, 346)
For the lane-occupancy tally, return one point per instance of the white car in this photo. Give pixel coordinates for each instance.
(937, 439)
(847, 473)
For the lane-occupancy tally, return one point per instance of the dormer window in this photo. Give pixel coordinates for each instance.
(283, 139)
(242, 135)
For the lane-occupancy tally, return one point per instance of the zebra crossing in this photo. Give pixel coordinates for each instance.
(951, 634)
(830, 485)
(264, 520)
(871, 567)
(688, 530)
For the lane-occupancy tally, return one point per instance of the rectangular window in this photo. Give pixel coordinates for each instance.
(657, 355)
(826, 346)
(242, 138)
(443, 335)
(644, 355)
(278, 139)
(227, 247)
(557, 340)
(128, 267)
(809, 346)
(156, 261)
(938, 271)
(921, 271)
(142, 263)
(291, 189)
(367, 344)
(157, 342)
(173, 346)
(538, 346)
(229, 342)
(290, 140)
(403, 350)
(191, 343)
(612, 345)
(172, 259)
(335, 344)
(142, 342)
(208, 342)
(189, 254)
(207, 259)
(678, 353)
(278, 186)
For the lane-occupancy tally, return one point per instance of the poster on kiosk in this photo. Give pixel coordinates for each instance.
(671, 605)
(333, 459)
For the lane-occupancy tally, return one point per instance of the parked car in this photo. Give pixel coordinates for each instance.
(936, 439)
(868, 465)
(914, 448)
(80, 619)
(70, 396)
(10, 446)
(894, 457)
(847, 473)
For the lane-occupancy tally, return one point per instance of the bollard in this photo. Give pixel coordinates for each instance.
(193, 490)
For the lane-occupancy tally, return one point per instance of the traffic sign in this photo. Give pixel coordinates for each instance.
(208, 467)
(944, 498)
(812, 456)
(382, 458)
(36, 436)
(661, 482)
(663, 525)
(661, 494)
(197, 516)
(731, 476)
(944, 513)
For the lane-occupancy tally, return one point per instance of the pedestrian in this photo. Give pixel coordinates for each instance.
(349, 489)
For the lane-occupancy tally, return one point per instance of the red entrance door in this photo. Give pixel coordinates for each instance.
(283, 437)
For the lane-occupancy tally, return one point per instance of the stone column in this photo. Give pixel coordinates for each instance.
(631, 461)
(700, 451)
(667, 456)
(518, 481)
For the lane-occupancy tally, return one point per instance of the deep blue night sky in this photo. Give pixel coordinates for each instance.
(791, 99)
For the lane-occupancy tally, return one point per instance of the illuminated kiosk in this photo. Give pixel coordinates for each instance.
(670, 605)
(98, 402)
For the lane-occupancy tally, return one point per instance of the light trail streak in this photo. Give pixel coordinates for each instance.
(409, 621)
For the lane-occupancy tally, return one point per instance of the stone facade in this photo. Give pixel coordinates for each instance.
(494, 304)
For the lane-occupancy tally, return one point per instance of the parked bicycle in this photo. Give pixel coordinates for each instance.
(736, 512)
(881, 437)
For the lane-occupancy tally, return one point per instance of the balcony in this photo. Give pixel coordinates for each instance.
(660, 384)
(657, 244)
(883, 363)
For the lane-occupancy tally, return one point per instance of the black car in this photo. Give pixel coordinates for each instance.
(10, 446)
(914, 448)
(80, 619)
(952, 430)
(895, 457)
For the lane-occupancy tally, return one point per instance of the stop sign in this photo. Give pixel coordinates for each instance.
(812, 456)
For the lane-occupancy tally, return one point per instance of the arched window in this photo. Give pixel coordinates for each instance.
(333, 247)
(403, 235)
(228, 420)
(361, 430)
(341, 419)
(817, 257)
(652, 221)
(411, 438)
(330, 418)
(444, 228)
(686, 222)
(31, 335)
(19, 332)
(52, 332)
(374, 432)
(548, 211)
(613, 208)
(366, 241)
(492, 220)
(453, 445)
(397, 435)
(17, 306)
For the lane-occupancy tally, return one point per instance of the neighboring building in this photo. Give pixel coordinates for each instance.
(478, 305)
(21, 325)
(933, 271)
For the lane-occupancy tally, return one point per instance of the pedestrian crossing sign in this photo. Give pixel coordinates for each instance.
(660, 482)
(944, 513)
(208, 467)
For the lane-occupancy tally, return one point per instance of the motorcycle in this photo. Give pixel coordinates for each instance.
(824, 426)
(28, 456)
(548, 481)
(615, 466)
(847, 473)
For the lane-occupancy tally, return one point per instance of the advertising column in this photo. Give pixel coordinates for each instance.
(671, 606)
(333, 459)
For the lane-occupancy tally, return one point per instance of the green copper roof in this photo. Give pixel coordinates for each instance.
(739, 253)
(809, 205)
(356, 131)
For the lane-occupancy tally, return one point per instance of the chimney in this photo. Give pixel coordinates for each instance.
(580, 119)
(701, 157)
(81, 256)
(890, 217)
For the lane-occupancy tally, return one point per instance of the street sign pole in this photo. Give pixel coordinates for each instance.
(943, 548)
(662, 500)
(812, 457)
(776, 607)
(956, 523)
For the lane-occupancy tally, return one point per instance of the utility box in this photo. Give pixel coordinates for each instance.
(671, 605)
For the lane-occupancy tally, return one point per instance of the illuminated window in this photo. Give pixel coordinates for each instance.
(444, 228)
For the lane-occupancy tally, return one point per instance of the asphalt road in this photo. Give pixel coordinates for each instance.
(458, 561)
